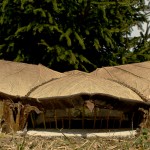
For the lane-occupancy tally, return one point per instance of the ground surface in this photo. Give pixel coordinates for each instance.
(85, 133)
(65, 142)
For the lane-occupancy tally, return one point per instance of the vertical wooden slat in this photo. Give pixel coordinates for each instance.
(55, 117)
(1, 109)
(132, 123)
(44, 122)
(83, 116)
(100, 118)
(120, 121)
(108, 118)
(95, 117)
(32, 120)
(50, 122)
(69, 118)
(62, 121)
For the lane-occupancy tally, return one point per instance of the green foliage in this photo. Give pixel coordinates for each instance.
(72, 34)
(142, 142)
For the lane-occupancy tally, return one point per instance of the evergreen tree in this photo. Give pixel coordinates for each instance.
(72, 34)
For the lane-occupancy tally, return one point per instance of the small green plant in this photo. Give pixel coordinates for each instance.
(142, 141)
(21, 146)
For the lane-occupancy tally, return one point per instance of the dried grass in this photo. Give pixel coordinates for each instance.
(16, 142)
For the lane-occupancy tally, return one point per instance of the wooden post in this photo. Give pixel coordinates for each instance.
(108, 117)
(44, 122)
(83, 116)
(50, 122)
(101, 120)
(120, 121)
(55, 117)
(1, 109)
(95, 117)
(62, 121)
(69, 117)
(132, 123)
(32, 120)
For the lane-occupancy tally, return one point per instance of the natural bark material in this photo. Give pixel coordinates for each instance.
(15, 116)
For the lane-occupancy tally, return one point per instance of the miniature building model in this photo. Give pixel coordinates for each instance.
(107, 98)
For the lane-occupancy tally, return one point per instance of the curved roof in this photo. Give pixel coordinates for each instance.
(74, 72)
(127, 82)
(134, 76)
(82, 83)
(19, 78)
(119, 87)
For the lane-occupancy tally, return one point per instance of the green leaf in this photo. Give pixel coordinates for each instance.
(39, 11)
(80, 40)
(97, 44)
(66, 35)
